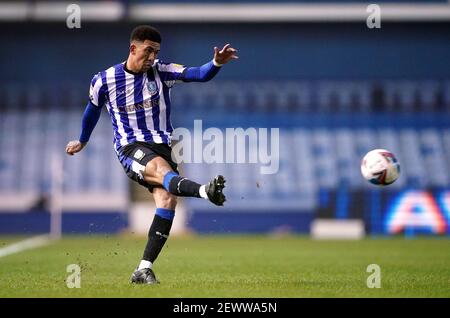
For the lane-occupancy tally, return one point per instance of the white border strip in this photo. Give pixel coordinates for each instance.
(281, 12)
(90, 11)
(33, 242)
(21, 202)
(57, 11)
(285, 12)
(11, 11)
(15, 201)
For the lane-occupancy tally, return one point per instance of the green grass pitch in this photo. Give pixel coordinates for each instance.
(231, 266)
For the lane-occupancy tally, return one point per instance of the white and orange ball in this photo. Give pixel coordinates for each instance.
(380, 167)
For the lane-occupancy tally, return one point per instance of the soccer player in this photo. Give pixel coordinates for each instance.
(137, 95)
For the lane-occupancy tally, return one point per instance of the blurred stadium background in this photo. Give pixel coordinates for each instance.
(334, 87)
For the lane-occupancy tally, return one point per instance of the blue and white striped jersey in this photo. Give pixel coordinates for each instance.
(139, 104)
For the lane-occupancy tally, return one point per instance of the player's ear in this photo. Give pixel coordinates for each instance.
(133, 48)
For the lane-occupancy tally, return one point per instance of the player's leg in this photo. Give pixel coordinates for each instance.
(157, 235)
(158, 171)
(151, 164)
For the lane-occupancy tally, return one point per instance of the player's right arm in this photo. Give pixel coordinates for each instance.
(90, 117)
(207, 71)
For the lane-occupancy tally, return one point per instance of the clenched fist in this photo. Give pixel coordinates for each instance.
(74, 146)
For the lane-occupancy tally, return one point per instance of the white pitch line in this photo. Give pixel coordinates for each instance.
(33, 242)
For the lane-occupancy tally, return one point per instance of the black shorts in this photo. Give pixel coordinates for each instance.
(135, 156)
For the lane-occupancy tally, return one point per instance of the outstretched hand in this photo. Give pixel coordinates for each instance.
(225, 55)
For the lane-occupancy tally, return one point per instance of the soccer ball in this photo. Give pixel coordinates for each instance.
(380, 167)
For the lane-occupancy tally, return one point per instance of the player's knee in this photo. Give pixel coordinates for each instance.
(155, 170)
(149, 176)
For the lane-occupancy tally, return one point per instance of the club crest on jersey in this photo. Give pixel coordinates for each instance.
(152, 88)
(139, 154)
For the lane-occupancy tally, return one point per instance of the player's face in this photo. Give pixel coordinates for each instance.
(145, 54)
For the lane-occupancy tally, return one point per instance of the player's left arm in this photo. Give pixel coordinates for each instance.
(91, 115)
(207, 71)
(90, 118)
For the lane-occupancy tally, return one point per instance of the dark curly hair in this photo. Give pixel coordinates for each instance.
(145, 32)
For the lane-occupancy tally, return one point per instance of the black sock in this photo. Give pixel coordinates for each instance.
(157, 237)
(181, 186)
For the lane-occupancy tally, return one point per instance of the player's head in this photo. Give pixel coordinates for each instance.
(145, 44)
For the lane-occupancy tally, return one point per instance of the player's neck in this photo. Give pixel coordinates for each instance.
(131, 67)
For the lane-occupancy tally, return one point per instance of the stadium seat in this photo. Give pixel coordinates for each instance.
(312, 157)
